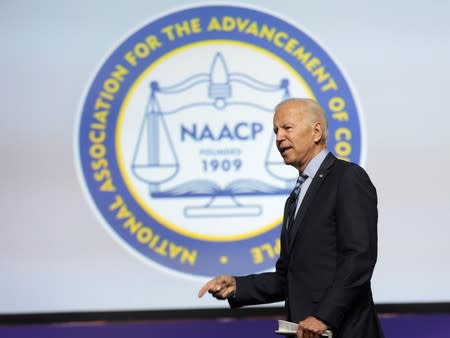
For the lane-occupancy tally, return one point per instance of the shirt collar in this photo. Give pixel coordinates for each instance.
(314, 165)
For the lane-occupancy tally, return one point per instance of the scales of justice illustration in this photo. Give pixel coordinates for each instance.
(156, 162)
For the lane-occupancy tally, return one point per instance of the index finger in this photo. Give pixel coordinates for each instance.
(208, 286)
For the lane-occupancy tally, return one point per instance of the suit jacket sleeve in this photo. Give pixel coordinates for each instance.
(356, 225)
(266, 287)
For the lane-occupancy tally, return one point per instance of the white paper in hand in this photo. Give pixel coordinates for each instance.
(289, 328)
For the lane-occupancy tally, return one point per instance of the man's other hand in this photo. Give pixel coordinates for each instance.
(311, 327)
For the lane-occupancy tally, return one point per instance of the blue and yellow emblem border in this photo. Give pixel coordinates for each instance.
(96, 140)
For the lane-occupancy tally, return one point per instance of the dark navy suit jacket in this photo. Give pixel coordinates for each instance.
(325, 269)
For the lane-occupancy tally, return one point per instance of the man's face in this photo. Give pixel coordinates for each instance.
(294, 134)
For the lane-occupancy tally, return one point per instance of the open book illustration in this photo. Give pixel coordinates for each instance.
(289, 328)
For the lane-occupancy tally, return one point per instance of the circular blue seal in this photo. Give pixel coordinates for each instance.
(175, 143)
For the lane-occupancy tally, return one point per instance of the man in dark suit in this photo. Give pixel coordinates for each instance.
(328, 238)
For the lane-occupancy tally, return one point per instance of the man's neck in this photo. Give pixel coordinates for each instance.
(314, 153)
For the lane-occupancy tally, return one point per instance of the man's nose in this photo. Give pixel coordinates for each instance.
(279, 136)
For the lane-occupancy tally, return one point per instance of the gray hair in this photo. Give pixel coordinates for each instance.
(313, 111)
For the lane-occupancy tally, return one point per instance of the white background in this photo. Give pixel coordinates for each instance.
(55, 253)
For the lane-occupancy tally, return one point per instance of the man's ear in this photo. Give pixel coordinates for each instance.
(317, 132)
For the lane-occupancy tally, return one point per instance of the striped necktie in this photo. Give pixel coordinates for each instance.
(294, 199)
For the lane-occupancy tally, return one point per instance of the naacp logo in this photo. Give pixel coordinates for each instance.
(175, 141)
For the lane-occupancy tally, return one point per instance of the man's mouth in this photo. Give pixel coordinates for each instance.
(282, 150)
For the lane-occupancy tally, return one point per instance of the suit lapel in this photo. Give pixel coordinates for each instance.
(309, 197)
